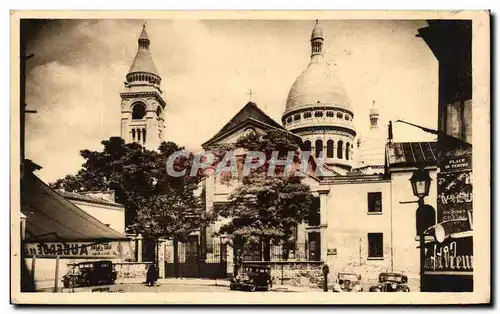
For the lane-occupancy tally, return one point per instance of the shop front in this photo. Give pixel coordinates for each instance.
(449, 257)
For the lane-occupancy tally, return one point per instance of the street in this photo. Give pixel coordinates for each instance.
(171, 285)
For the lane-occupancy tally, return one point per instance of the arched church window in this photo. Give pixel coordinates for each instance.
(144, 135)
(339, 115)
(296, 117)
(318, 148)
(133, 135)
(318, 114)
(307, 115)
(330, 114)
(138, 111)
(347, 151)
(139, 135)
(329, 149)
(306, 147)
(340, 147)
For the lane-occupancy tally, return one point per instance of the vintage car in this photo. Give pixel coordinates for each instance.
(252, 278)
(87, 274)
(347, 282)
(391, 282)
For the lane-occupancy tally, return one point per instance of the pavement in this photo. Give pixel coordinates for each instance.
(175, 285)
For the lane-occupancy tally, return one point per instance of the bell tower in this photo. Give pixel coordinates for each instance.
(142, 103)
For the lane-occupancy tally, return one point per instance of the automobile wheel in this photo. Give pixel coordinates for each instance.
(66, 283)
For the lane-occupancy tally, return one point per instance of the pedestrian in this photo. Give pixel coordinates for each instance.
(152, 275)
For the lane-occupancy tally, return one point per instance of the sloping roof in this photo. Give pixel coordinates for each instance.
(249, 112)
(411, 154)
(86, 198)
(52, 218)
(143, 62)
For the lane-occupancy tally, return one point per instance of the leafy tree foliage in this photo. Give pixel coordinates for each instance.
(266, 208)
(156, 204)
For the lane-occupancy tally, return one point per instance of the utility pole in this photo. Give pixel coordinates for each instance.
(22, 85)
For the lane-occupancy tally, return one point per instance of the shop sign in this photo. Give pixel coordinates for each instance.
(453, 256)
(78, 250)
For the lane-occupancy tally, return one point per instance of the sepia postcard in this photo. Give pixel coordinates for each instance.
(250, 157)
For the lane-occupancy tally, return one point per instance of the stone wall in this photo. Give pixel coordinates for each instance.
(307, 274)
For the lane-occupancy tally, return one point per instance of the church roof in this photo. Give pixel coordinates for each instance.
(143, 61)
(249, 112)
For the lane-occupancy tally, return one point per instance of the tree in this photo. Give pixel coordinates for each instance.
(156, 204)
(267, 208)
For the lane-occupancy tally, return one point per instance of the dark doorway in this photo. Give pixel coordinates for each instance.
(314, 245)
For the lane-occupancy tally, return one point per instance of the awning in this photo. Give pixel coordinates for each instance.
(52, 218)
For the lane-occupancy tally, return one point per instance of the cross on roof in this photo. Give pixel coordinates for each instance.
(250, 93)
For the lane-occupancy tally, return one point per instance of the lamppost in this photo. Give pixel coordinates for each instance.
(420, 184)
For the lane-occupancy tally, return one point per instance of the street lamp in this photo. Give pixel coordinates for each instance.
(421, 183)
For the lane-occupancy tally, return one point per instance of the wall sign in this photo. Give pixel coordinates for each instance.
(460, 163)
(78, 250)
(453, 256)
(454, 199)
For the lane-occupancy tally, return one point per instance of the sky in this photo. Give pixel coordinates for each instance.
(207, 69)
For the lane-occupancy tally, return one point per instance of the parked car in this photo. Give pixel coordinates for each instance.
(87, 274)
(252, 278)
(347, 282)
(391, 282)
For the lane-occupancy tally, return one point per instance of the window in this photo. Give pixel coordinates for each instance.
(375, 202)
(340, 115)
(289, 120)
(307, 115)
(330, 114)
(138, 111)
(296, 117)
(347, 117)
(319, 148)
(318, 114)
(347, 151)
(329, 149)
(375, 245)
(306, 147)
(340, 147)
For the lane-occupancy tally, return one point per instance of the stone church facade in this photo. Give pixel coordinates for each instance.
(362, 226)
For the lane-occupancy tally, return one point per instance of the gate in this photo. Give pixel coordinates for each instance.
(194, 261)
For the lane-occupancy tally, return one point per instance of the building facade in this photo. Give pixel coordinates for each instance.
(365, 223)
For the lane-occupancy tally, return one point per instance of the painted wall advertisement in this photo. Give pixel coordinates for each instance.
(454, 188)
(115, 249)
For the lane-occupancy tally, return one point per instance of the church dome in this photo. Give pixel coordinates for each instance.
(317, 85)
(317, 109)
(371, 151)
